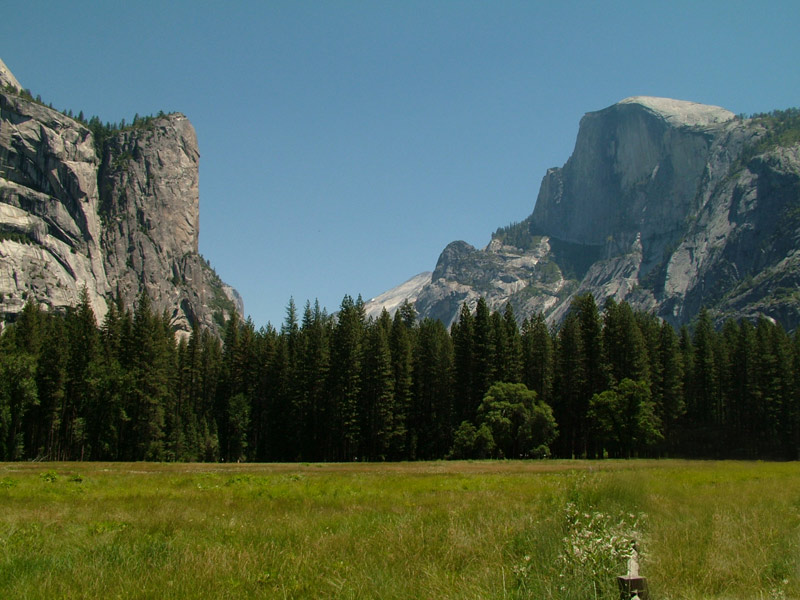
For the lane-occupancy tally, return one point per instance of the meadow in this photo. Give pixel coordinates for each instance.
(510, 529)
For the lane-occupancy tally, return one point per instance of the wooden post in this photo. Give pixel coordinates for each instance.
(632, 586)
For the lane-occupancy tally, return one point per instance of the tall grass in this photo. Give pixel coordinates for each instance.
(428, 530)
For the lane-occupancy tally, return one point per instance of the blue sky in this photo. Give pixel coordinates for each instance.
(345, 144)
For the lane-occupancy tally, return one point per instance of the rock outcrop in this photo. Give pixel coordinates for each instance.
(668, 205)
(116, 217)
(391, 300)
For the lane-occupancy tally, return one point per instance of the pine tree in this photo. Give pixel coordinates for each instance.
(346, 361)
(773, 388)
(591, 343)
(230, 383)
(624, 346)
(431, 412)
(290, 409)
(26, 342)
(509, 352)
(703, 391)
(266, 378)
(377, 395)
(401, 344)
(106, 415)
(51, 377)
(150, 382)
(794, 427)
(739, 389)
(570, 403)
(83, 342)
(315, 365)
(209, 374)
(787, 412)
(18, 395)
(538, 357)
(668, 384)
(463, 338)
(28, 331)
(484, 351)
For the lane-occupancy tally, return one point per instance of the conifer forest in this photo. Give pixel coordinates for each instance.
(608, 382)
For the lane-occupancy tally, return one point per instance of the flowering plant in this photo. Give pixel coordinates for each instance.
(593, 552)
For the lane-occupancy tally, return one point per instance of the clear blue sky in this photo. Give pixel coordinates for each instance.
(345, 144)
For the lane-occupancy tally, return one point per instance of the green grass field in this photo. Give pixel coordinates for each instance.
(547, 529)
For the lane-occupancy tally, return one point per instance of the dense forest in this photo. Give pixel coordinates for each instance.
(607, 383)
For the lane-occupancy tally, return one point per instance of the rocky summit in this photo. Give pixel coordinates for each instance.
(116, 216)
(666, 204)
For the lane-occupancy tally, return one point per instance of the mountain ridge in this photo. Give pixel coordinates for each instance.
(667, 204)
(117, 216)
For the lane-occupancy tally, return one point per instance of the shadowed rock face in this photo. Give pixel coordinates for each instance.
(662, 204)
(635, 171)
(117, 221)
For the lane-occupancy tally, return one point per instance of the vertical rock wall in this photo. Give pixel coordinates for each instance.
(117, 220)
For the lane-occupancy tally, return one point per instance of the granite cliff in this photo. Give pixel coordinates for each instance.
(666, 204)
(116, 216)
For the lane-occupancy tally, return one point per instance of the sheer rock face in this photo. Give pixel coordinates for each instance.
(116, 223)
(636, 169)
(658, 206)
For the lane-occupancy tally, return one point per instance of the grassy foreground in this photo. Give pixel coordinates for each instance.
(429, 530)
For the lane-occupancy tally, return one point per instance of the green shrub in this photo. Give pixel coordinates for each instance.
(49, 476)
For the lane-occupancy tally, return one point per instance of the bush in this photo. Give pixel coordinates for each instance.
(472, 442)
(49, 476)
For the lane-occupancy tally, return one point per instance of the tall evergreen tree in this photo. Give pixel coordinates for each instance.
(18, 395)
(509, 354)
(538, 357)
(209, 373)
(150, 382)
(401, 343)
(702, 394)
(377, 395)
(106, 415)
(51, 377)
(83, 341)
(292, 410)
(265, 437)
(431, 413)
(624, 346)
(484, 351)
(315, 364)
(591, 343)
(345, 385)
(570, 403)
(463, 338)
(667, 386)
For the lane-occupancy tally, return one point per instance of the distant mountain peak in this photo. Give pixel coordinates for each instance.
(666, 204)
(392, 299)
(681, 112)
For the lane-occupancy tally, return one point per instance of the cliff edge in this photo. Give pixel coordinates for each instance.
(117, 216)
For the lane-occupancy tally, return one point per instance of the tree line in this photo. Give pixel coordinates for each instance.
(607, 383)
(101, 131)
